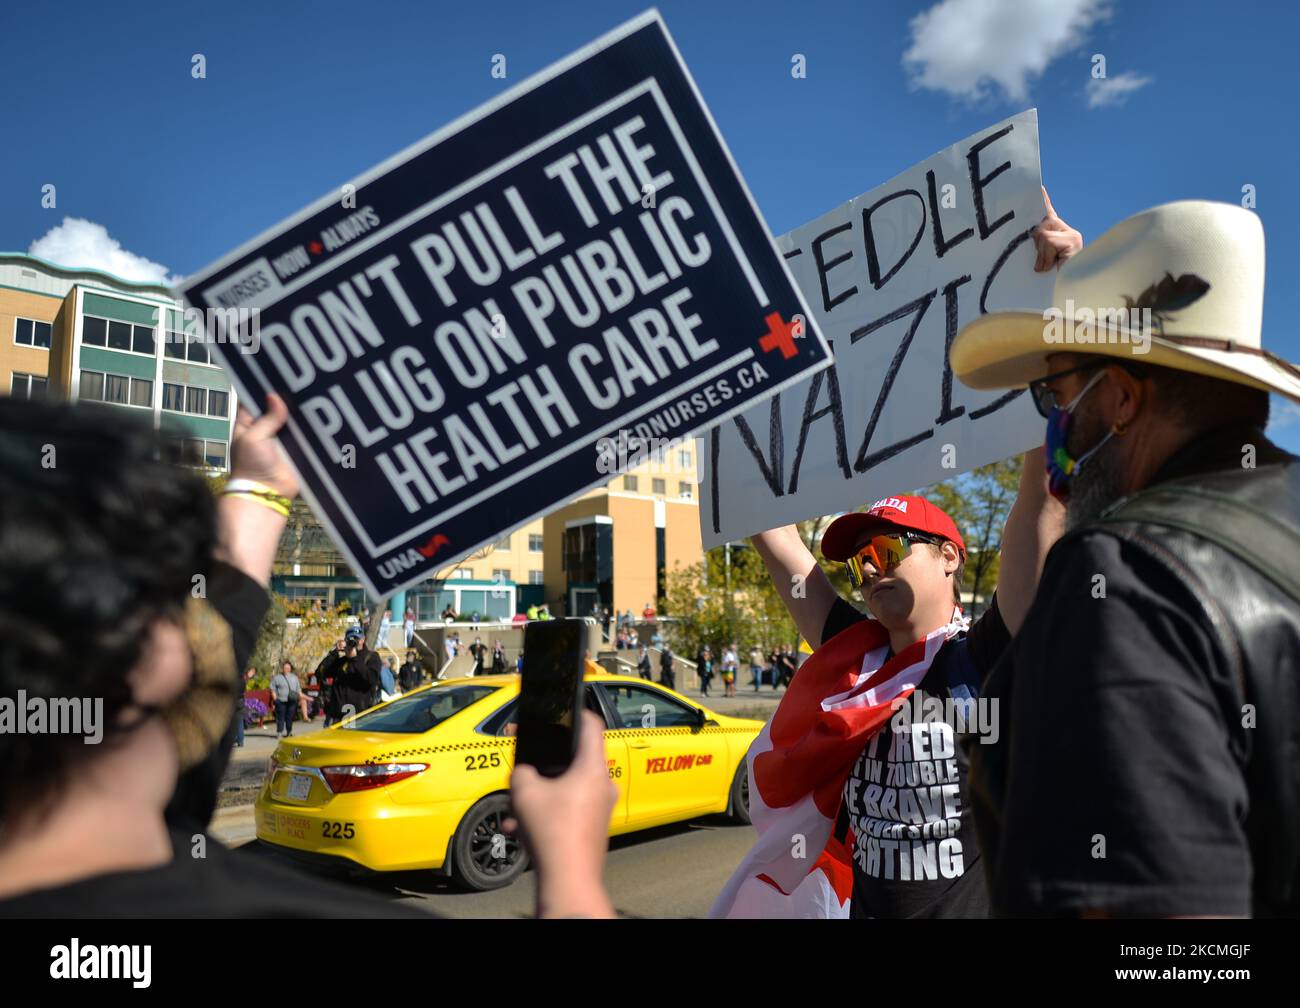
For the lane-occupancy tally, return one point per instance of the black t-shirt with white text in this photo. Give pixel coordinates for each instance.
(915, 852)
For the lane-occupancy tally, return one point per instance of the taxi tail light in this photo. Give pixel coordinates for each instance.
(367, 776)
(271, 765)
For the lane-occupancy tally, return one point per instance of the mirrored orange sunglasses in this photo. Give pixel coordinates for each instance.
(882, 553)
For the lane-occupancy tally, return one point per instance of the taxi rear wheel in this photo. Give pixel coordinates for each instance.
(740, 794)
(484, 856)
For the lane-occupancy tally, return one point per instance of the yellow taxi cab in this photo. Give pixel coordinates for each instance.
(422, 782)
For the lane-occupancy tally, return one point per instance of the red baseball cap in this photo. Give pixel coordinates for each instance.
(915, 514)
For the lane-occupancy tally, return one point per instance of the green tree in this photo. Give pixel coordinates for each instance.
(979, 502)
(724, 599)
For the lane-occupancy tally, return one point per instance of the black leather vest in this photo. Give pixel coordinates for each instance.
(1232, 535)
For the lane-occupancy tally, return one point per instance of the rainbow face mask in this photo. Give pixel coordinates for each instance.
(1061, 466)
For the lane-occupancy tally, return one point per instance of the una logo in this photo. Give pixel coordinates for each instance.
(890, 502)
(412, 557)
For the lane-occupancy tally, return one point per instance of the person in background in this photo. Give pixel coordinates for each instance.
(498, 658)
(704, 666)
(365, 620)
(666, 676)
(385, 623)
(532, 612)
(408, 626)
(356, 673)
(643, 663)
(648, 613)
(410, 674)
(730, 666)
(605, 621)
(448, 614)
(756, 666)
(305, 695)
(239, 706)
(519, 662)
(544, 612)
(326, 677)
(284, 693)
(478, 649)
(388, 679)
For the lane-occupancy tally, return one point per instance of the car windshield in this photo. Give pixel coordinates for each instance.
(418, 712)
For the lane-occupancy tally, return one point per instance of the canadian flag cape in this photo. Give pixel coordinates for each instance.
(841, 697)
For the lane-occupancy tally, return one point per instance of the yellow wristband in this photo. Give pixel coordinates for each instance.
(265, 500)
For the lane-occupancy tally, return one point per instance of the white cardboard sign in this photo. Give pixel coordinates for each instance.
(891, 276)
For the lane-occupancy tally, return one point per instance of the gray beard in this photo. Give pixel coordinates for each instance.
(1094, 487)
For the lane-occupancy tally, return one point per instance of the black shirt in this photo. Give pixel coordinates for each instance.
(1116, 785)
(223, 883)
(915, 851)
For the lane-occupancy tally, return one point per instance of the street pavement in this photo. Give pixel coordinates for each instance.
(669, 871)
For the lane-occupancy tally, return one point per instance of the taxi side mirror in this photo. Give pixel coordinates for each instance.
(701, 719)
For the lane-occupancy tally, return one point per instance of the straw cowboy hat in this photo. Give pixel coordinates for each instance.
(1180, 285)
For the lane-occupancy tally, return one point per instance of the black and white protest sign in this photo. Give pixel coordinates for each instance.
(891, 276)
(458, 331)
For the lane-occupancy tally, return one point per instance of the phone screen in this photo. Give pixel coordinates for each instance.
(550, 695)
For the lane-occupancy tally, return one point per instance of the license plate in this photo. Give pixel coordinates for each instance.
(299, 787)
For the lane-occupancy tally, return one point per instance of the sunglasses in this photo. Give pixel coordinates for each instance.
(883, 553)
(1045, 398)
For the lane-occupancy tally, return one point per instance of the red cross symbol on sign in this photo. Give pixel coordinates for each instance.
(779, 336)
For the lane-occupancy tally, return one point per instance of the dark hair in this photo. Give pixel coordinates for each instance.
(1203, 403)
(958, 574)
(1197, 401)
(97, 539)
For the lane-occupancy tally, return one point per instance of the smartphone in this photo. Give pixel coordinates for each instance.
(551, 695)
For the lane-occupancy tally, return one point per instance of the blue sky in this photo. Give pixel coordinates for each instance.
(299, 97)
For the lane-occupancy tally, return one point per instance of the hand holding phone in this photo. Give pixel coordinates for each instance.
(550, 695)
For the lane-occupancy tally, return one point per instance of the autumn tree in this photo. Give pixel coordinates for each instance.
(979, 502)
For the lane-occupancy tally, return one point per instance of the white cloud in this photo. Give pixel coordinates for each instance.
(1108, 91)
(1282, 413)
(81, 244)
(971, 48)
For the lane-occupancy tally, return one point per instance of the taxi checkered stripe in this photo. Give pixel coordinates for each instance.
(509, 742)
(449, 747)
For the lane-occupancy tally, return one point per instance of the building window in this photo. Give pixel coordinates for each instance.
(534, 544)
(536, 577)
(463, 572)
(629, 483)
(214, 454)
(142, 340)
(94, 331)
(123, 389)
(198, 350)
(174, 345)
(196, 452)
(141, 392)
(217, 404)
(117, 389)
(501, 574)
(503, 542)
(27, 386)
(119, 335)
(173, 397)
(195, 400)
(658, 486)
(684, 458)
(29, 332)
(685, 490)
(92, 385)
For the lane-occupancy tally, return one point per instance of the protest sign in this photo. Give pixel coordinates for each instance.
(891, 276)
(463, 332)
